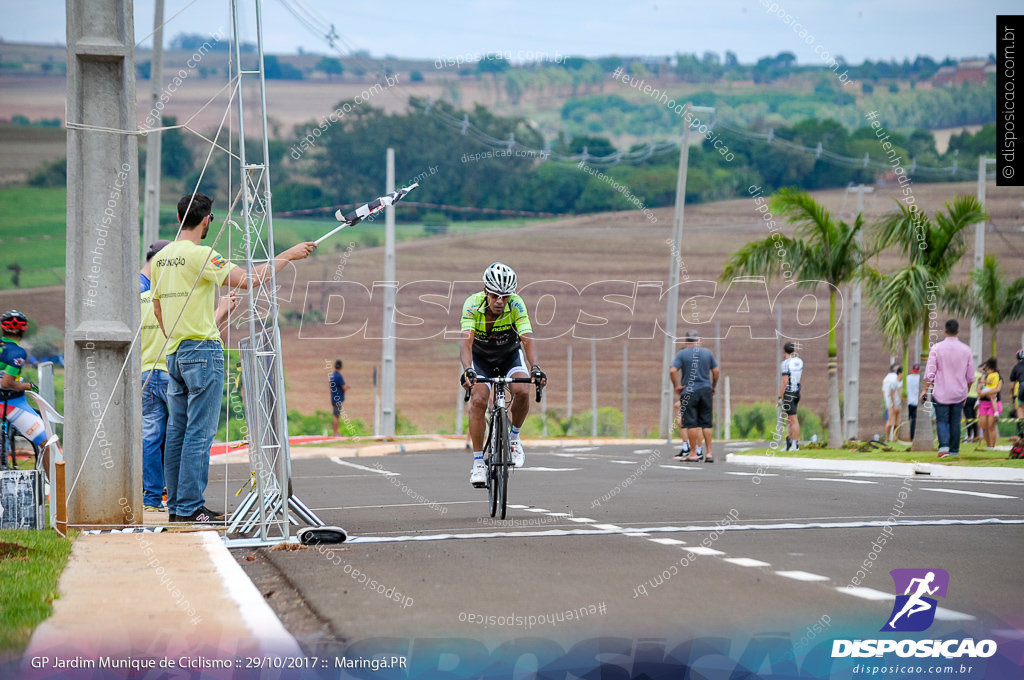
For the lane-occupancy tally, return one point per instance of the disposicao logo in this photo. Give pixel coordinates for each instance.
(914, 611)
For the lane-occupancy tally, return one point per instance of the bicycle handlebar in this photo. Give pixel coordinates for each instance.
(502, 381)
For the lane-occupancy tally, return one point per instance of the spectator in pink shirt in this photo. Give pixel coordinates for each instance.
(949, 373)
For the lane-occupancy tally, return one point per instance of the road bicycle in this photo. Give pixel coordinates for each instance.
(498, 445)
(8, 445)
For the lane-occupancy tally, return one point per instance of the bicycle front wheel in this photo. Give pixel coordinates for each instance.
(504, 459)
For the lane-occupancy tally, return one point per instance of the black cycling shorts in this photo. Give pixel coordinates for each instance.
(510, 365)
(789, 402)
(696, 408)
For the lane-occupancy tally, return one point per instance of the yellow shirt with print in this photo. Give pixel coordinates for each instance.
(185, 281)
(152, 338)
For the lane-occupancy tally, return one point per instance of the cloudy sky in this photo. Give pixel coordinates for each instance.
(853, 29)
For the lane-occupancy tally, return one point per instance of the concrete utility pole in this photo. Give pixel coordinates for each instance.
(672, 307)
(979, 255)
(103, 403)
(151, 206)
(851, 395)
(388, 346)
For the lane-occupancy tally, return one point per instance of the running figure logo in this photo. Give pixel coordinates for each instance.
(914, 611)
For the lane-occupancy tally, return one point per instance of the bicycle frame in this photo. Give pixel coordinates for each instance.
(497, 446)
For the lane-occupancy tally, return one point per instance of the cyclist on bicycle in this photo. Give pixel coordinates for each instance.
(23, 417)
(497, 340)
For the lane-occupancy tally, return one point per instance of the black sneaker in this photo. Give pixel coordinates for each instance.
(202, 515)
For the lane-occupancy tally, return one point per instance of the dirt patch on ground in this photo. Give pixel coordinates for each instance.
(13, 551)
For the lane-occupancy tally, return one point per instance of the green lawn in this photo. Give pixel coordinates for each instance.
(969, 456)
(30, 564)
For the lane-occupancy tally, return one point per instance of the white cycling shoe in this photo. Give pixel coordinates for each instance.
(518, 455)
(478, 475)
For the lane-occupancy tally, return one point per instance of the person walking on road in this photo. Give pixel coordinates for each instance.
(338, 389)
(789, 394)
(694, 373)
(947, 374)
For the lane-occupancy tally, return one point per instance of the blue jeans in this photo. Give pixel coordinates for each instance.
(154, 427)
(194, 393)
(947, 424)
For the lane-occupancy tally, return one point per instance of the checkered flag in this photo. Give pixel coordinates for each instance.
(364, 211)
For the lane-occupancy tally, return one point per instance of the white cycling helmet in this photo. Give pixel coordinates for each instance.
(500, 279)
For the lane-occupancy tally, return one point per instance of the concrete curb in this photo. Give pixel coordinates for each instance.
(881, 468)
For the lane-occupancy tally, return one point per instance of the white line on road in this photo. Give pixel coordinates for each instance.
(590, 531)
(802, 576)
(680, 467)
(752, 474)
(623, 462)
(700, 550)
(970, 493)
(834, 479)
(537, 510)
(608, 527)
(745, 562)
(545, 469)
(339, 461)
(581, 449)
(941, 613)
(668, 541)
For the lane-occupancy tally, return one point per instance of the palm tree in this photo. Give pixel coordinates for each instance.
(823, 249)
(989, 300)
(911, 296)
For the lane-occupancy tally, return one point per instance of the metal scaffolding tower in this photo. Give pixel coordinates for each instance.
(270, 503)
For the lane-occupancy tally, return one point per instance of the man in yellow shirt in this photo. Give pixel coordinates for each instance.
(186, 276)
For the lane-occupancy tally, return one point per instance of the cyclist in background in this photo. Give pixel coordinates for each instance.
(497, 340)
(18, 413)
(789, 393)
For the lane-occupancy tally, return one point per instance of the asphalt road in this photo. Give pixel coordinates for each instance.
(624, 542)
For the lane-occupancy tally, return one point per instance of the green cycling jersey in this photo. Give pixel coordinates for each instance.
(502, 338)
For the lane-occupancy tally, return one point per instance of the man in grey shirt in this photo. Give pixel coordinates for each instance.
(694, 373)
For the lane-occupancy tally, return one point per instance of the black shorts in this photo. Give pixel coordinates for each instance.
(695, 407)
(338, 406)
(789, 402)
(511, 364)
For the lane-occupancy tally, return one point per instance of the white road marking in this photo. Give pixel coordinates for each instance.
(941, 613)
(866, 593)
(668, 541)
(636, 534)
(340, 461)
(970, 493)
(537, 510)
(545, 469)
(834, 479)
(623, 462)
(608, 527)
(673, 529)
(752, 474)
(802, 576)
(701, 550)
(681, 467)
(745, 562)
(395, 505)
(581, 449)
(643, 451)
